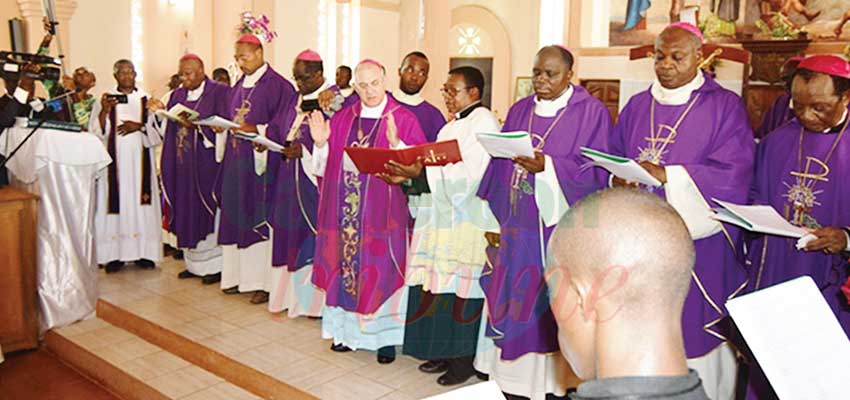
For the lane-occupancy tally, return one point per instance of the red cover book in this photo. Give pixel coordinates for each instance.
(371, 161)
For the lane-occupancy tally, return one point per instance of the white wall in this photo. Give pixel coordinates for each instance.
(100, 35)
(379, 40)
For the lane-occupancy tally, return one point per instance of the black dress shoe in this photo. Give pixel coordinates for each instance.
(113, 266)
(145, 263)
(482, 376)
(211, 278)
(434, 366)
(340, 348)
(231, 290)
(185, 274)
(385, 359)
(450, 379)
(178, 255)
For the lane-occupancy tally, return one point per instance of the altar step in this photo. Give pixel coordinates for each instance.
(133, 368)
(224, 343)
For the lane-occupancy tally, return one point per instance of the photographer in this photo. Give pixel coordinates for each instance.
(15, 103)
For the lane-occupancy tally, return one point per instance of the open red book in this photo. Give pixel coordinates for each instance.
(371, 161)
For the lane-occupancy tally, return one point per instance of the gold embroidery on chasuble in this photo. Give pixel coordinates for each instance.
(802, 196)
(662, 135)
(350, 231)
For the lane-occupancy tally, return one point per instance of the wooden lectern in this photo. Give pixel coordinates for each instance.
(18, 308)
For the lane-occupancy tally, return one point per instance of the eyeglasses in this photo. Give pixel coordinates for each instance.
(452, 92)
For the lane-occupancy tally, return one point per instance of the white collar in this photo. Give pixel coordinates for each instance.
(677, 96)
(409, 99)
(196, 93)
(347, 91)
(315, 94)
(549, 108)
(843, 119)
(251, 80)
(458, 114)
(373, 112)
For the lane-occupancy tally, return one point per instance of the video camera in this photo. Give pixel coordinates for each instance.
(12, 64)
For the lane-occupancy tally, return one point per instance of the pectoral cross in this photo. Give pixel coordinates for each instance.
(802, 195)
(241, 112)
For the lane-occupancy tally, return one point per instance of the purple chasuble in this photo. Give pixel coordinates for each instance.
(778, 114)
(295, 199)
(430, 119)
(242, 195)
(714, 143)
(189, 168)
(520, 320)
(361, 246)
(775, 259)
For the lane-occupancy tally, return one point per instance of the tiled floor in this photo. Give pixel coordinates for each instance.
(290, 350)
(38, 375)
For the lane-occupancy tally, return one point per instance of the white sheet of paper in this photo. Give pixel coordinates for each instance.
(480, 391)
(759, 218)
(621, 167)
(217, 122)
(506, 144)
(260, 139)
(796, 339)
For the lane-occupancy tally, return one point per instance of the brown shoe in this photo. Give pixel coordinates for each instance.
(260, 297)
(231, 290)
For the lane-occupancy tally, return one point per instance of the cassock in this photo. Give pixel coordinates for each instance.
(808, 193)
(188, 172)
(128, 217)
(293, 211)
(518, 346)
(430, 118)
(244, 186)
(778, 114)
(448, 248)
(701, 134)
(361, 245)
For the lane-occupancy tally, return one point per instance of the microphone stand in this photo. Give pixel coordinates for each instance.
(18, 147)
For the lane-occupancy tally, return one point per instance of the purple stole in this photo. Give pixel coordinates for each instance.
(112, 181)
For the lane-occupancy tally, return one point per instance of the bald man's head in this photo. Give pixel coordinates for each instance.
(369, 83)
(622, 256)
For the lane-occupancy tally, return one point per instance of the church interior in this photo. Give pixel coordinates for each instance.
(147, 333)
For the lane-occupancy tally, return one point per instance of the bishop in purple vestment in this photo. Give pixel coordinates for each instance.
(694, 137)
(528, 196)
(361, 245)
(800, 172)
(244, 186)
(189, 169)
(295, 199)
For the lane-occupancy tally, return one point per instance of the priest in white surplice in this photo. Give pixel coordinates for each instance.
(447, 252)
(128, 217)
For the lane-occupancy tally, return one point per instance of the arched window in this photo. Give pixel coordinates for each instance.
(339, 32)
